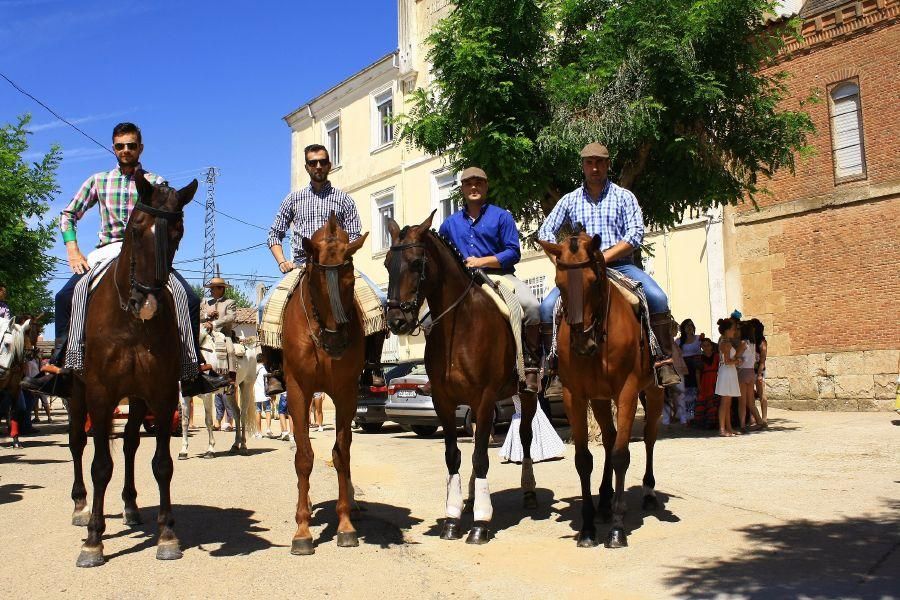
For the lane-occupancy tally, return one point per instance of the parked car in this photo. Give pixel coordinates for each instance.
(370, 400)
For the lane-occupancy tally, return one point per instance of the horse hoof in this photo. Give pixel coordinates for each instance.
(616, 538)
(650, 503)
(182, 456)
(169, 551)
(479, 534)
(347, 539)
(234, 450)
(80, 518)
(587, 538)
(90, 557)
(529, 501)
(131, 517)
(208, 454)
(451, 530)
(303, 547)
(244, 451)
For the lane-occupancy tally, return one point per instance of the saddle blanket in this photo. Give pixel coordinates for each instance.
(505, 298)
(271, 319)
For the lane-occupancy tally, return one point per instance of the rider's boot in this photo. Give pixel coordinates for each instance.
(661, 323)
(532, 356)
(554, 387)
(274, 378)
(53, 380)
(207, 381)
(374, 346)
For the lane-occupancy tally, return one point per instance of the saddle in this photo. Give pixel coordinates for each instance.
(504, 296)
(225, 348)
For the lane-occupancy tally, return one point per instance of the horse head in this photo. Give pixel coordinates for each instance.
(331, 282)
(152, 236)
(406, 263)
(581, 279)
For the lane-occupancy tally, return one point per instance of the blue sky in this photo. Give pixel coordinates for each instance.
(207, 82)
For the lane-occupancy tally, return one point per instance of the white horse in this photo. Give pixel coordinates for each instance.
(244, 411)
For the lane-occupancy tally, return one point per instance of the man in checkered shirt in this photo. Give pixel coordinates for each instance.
(613, 213)
(304, 212)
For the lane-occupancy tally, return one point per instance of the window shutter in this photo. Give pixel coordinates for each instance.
(846, 131)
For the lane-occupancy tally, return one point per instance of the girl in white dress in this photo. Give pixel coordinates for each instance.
(545, 442)
(727, 386)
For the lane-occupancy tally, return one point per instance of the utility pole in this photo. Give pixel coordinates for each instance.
(209, 246)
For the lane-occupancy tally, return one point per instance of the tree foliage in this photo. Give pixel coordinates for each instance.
(25, 236)
(675, 89)
(240, 297)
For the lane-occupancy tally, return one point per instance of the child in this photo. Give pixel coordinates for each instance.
(263, 402)
(727, 386)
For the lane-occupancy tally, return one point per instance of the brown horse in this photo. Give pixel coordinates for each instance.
(470, 358)
(603, 355)
(132, 348)
(324, 352)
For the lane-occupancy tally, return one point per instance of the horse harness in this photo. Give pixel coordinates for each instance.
(575, 309)
(332, 280)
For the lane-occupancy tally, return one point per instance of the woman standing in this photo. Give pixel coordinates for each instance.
(727, 386)
(706, 414)
(545, 442)
(762, 349)
(689, 343)
(747, 377)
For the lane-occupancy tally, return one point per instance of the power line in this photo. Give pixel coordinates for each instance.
(238, 250)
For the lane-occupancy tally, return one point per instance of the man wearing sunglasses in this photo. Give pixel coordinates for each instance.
(304, 212)
(115, 194)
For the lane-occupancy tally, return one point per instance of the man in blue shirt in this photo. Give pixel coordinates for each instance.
(613, 213)
(488, 239)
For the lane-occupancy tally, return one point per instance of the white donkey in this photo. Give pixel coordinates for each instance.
(244, 410)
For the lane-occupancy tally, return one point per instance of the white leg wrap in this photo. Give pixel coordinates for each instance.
(528, 482)
(454, 496)
(483, 509)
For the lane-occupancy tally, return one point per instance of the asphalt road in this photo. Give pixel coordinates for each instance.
(808, 509)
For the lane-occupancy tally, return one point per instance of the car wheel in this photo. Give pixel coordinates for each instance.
(371, 427)
(424, 430)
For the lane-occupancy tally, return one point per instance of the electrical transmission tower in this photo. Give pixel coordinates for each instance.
(209, 247)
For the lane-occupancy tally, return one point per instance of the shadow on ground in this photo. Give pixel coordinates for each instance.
(853, 557)
(13, 492)
(634, 515)
(377, 524)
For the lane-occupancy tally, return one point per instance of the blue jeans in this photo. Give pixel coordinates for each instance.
(222, 407)
(657, 300)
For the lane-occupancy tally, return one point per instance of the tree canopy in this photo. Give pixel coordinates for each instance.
(676, 90)
(25, 236)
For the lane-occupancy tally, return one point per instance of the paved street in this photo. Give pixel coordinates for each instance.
(810, 508)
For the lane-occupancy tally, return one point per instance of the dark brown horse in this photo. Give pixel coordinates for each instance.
(132, 349)
(324, 348)
(603, 354)
(470, 358)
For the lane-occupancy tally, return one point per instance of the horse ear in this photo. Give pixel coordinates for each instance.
(186, 194)
(144, 188)
(25, 326)
(308, 246)
(550, 248)
(332, 223)
(355, 245)
(394, 230)
(426, 224)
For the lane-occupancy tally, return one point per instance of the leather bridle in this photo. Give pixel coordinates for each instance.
(575, 306)
(332, 280)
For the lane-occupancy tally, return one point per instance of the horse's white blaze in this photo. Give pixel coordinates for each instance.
(483, 509)
(454, 496)
(528, 482)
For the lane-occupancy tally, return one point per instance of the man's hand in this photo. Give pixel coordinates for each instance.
(77, 262)
(286, 266)
(208, 325)
(213, 314)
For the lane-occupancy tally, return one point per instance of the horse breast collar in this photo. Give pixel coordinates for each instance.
(332, 281)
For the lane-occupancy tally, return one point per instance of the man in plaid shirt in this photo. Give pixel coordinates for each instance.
(613, 213)
(115, 194)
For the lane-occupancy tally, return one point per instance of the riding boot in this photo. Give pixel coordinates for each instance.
(372, 371)
(661, 323)
(273, 380)
(207, 381)
(554, 386)
(54, 380)
(532, 356)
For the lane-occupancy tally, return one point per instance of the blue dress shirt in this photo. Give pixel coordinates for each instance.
(493, 233)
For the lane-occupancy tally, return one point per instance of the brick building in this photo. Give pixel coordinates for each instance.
(819, 262)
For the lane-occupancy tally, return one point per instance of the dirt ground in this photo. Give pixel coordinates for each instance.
(808, 509)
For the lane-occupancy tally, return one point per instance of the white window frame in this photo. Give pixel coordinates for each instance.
(329, 124)
(377, 99)
(849, 84)
(537, 285)
(379, 227)
(439, 180)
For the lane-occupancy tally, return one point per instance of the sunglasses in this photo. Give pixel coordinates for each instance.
(318, 162)
(129, 145)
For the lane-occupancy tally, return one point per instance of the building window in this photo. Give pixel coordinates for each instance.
(382, 113)
(333, 140)
(536, 284)
(443, 185)
(382, 210)
(846, 133)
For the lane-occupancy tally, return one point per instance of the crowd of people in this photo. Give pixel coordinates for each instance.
(722, 379)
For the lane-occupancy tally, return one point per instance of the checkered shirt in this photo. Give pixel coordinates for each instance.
(116, 194)
(306, 210)
(616, 216)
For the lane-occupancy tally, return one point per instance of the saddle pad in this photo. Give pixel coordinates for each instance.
(630, 297)
(511, 309)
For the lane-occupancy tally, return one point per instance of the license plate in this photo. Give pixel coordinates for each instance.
(362, 409)
(406, 393)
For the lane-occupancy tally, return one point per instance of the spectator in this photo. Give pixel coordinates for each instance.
(727, 386)
(762, 349)
(223, 411)
(284, 419)
(675, 406)
(689, 343)
(316, 413)
(706, 413)
(4, 307)
(747, 377)
(263, 402)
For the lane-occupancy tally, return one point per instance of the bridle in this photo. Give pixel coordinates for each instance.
(161, 245)
(575, 307)
(333, 288)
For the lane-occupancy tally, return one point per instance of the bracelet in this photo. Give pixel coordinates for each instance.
(282, 262)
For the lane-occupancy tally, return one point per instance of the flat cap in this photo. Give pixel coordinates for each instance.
(595, 149)
(472, 172)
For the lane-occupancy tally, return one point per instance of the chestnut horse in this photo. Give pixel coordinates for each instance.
(470, 358)
(603, 354)
(132, 348)
(324, 344)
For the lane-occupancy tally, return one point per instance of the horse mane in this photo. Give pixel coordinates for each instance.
(454, 251)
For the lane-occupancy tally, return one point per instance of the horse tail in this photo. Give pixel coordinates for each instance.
(247, 402)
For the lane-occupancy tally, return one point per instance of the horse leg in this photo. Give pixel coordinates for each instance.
(101, 472)
(651, 430)
(345, 407)
(167, 548)
(302, 542)
(576, 411)
(483, 511)
(626, 404)
(209, 410)
(77, 442)
(186, 407)
(453, 459)
(528, 401)
(603, 413)
(137, 410)
(231, 401)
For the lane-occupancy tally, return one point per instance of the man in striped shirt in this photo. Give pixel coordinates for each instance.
(612, 212)
(304, 212)
(115, 194)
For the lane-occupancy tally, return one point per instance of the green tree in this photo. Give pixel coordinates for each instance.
(675, 89)
(240, 297)
(25, 236)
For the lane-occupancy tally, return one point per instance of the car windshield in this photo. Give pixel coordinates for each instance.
(418, 370)
(404, 369)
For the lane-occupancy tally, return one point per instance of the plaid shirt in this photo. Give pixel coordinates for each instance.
(116, 194)
(305, 211)
(615, 215)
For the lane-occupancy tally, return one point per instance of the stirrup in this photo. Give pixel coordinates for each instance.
(274, 386)
(665, 373)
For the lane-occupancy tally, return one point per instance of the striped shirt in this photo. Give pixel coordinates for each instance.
(116, 194)
(615, 216)
(306, 210)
